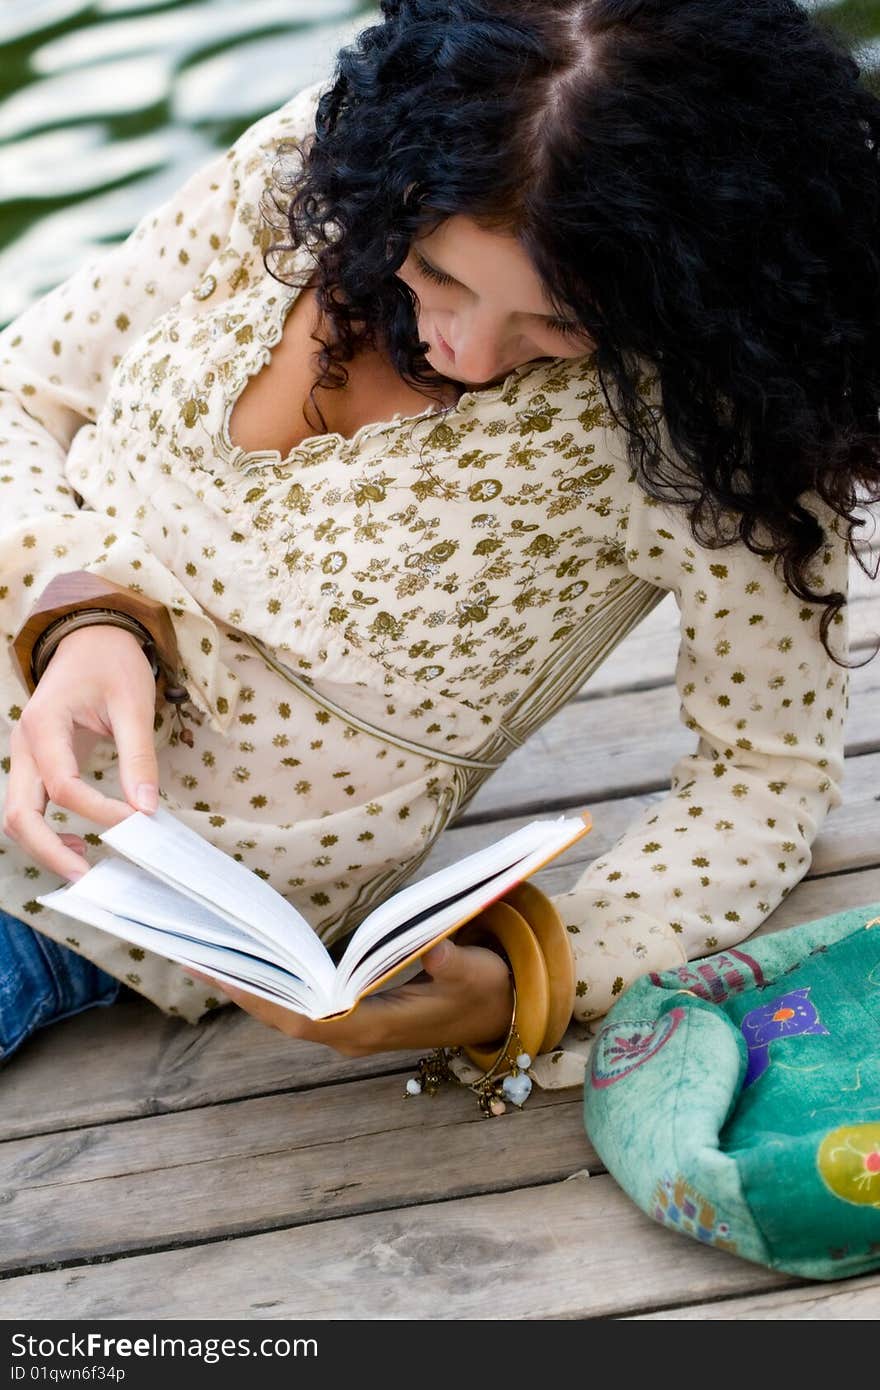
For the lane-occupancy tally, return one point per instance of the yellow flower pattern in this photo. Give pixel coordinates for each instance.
(369, 626)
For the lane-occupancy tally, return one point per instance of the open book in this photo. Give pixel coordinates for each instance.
(170, 891)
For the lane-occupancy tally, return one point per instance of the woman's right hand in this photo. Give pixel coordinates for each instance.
(98, 684)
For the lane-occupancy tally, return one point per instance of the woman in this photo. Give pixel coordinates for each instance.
(596, 298)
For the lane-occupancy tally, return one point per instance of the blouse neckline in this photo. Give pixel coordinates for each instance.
(276, 309)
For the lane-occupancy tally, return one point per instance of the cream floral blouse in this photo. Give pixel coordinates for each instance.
(370, 625)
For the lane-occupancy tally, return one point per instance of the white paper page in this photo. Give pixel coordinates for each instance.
(122, 888)
(538, 837)
(244, 971)
(401, 946)
(181, 858)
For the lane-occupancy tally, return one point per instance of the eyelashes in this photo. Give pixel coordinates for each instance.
(430, 273)
(566, 327)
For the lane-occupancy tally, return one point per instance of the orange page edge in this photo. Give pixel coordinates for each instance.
(450, 931)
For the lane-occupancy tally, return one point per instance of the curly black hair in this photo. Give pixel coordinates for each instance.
(698, 180)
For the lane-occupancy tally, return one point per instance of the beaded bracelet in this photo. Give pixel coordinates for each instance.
(49, 640)
(493, 1089)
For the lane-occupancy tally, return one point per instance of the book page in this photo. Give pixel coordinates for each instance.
(231, 966)
(127, 891)
(181, 858)
(411, 902)
(467, 887)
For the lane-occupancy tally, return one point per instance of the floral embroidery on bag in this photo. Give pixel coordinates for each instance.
(849, 1163)
(620, 1048)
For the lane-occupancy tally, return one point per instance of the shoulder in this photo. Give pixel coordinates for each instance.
(253, 172)
(257, 148)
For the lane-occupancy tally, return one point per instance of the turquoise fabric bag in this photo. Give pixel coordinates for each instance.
(737, 1099)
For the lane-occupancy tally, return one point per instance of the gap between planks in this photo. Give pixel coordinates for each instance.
(572, 1249)
(154, 1064)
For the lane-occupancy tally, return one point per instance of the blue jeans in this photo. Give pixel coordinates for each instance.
(42, 982)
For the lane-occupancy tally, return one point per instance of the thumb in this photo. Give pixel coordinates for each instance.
(443, 961)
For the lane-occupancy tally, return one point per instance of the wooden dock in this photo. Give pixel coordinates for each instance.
(153, 1170)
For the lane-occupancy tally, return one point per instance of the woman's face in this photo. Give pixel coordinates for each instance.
(481, 307)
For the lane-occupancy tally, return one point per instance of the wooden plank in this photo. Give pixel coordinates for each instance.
(258, 1126)
(132, 1060)
(574, 1249)
(849, 1299)
(595, 750)
(258, 1164)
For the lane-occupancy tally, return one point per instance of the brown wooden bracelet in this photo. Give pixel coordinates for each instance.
(79, 590)
(501, 925)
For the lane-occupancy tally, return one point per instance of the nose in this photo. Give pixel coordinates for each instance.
(482, 350)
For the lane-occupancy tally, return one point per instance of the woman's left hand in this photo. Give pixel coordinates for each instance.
(463, 995)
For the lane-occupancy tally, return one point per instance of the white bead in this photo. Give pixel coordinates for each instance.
(517, 1088)
(413, 1087)
(523, 1061)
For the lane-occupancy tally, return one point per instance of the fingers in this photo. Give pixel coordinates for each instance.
(23, 819)
(100, 680)
(53, 755)
(74, 842)
(98, 684)
(138, 766)
(443, 961)
(273, 1015)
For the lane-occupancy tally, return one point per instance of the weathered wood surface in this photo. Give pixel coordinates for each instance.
(577, 1248)
(157, 1064)
(850, 1299)
(148, 1168)
(283, 1160)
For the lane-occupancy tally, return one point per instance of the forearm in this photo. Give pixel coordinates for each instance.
(700, 871)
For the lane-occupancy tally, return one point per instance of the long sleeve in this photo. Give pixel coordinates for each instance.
(56, 365)
(703, 869)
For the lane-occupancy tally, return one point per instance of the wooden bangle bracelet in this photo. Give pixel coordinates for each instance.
(502, 925)
(549, 928)
(529, 932)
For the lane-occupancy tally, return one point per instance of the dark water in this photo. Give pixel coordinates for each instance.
(107, 106)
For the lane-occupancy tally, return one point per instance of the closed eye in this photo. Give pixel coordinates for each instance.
(431, 272)
(567, 327)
